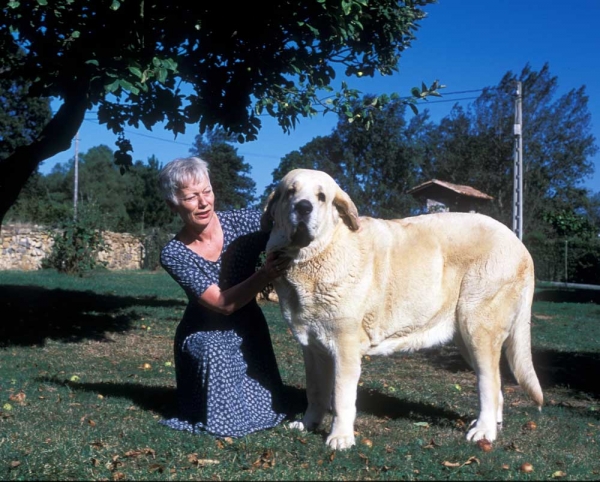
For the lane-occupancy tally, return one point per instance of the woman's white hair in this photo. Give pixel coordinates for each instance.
(180, 173)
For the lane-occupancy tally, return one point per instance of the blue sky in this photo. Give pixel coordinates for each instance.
(466, 44)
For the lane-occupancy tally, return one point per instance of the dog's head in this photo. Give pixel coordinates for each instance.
(306, 205)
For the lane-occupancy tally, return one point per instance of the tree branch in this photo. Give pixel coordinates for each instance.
(55, 137)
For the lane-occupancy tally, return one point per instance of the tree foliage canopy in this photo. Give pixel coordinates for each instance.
(22, 117)
(179, 63)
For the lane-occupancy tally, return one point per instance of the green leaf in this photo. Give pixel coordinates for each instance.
(129, 87)
(135, 71)
(92, 62)
(115, 5)
(43, 3)
(112, 87)
(170, 64)
(161, 75)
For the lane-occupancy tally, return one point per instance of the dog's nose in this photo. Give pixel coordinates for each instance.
(303, 207)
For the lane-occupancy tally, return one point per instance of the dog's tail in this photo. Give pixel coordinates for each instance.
(518, 349)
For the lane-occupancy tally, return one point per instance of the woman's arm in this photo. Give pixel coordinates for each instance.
(228, 301)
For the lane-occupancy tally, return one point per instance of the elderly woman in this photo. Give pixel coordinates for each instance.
(228, 383)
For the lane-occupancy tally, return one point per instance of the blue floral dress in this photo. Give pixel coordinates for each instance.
(228, 383)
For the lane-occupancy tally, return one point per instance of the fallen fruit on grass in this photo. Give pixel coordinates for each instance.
(530, 425)
(485, 445)
(146, 366)
(366, 442)
(558, 474)
(74, 378)
(526, 468)
(7, 407)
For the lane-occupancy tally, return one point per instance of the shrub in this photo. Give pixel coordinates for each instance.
(76, 246)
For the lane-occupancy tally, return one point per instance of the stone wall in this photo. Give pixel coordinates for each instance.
(23, 247)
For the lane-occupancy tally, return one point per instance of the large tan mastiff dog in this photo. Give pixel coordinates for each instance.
(364, 286)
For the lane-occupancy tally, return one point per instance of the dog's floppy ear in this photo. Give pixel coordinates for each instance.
(266, 220)
(347, 209)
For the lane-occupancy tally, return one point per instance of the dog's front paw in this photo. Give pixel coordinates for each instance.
(297, 425)
(480, 431)
(340, 442)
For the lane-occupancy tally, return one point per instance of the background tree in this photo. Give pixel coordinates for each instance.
(130, 203)
(179, 63)
(145, 205)
(375, 166)
(474, 146)
(229, 174)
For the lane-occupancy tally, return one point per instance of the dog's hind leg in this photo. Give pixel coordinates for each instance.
(319, 370)
(462, 348)
(482, 327)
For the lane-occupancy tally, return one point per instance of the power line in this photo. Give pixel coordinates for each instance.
(422, 103)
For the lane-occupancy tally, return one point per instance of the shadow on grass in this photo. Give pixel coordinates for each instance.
(576, 371)
(163, 400)
(31, 314)
(565, 295)
(573, 370)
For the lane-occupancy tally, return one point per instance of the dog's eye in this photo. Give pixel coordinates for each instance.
(321, 197)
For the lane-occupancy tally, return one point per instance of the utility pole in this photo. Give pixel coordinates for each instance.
(76, 177)
(517, 217)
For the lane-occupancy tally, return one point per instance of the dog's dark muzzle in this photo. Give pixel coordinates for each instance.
(301, 237)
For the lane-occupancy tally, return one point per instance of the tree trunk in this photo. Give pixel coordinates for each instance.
(56, 137)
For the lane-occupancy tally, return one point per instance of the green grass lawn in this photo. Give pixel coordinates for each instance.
(86, 373)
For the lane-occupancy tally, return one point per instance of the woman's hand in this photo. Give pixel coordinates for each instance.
(276, 264)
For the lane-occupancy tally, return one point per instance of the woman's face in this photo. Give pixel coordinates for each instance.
(196, 204)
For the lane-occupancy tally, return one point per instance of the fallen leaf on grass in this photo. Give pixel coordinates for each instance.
(119, 476)
(431, 445)
(18, 398)
(266, 460)
(194, 460)
(14, 464)
(558, 474)
(156, 468)
(512, 446)
(421, 424)
(470, 461)
(138, 452)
